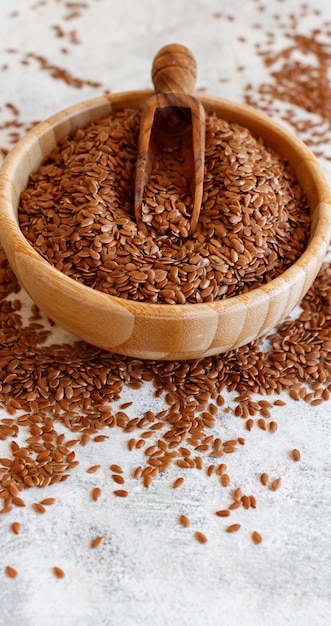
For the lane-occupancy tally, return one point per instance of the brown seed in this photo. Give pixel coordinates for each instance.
(48, 501)
(296, 456)
(118, 478)
(264, 478)
(252, 501)
(237, 494)
(93, 469)
(225, 480)
(147, 481)
(58, 572)
(116, 469)
(184, 521)
(234, 505)
(11, 572)
(275, 484)
(256, 537)
(200, 537)
(246, 502)
(121, 493)
(39, 508)
(18, 501)
(233, 528)
(96, 542)
(16, 528)
(96, 493)
(223, 513)
(178, 482)
(262, 423)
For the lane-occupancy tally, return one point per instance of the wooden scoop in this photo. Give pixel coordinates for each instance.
(171, 116)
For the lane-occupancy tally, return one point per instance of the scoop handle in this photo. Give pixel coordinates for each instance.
(174, 70)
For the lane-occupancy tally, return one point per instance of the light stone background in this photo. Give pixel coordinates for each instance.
(149, 571)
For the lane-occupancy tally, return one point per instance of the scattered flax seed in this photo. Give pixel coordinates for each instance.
(273, 426)
(237, 494)
(264, 478)
(11, 572)
(118, 478)
(184, 521)
(256, 537)
(223, 513)
(18, 501)
(47, 501)
(296, 456)
(178, 482)
(39, 508)
(225, 480)
(16, 528)
(246, 502)
(252, 501)
(275, 484)
(5, 510)
(233, 528)
(200, 537)
(93, 469)
(147, 481)
(234, 505)
(58, 572)
(96, 542)
(121, 493)
(262, 423)
(116, 468)
(96, 493)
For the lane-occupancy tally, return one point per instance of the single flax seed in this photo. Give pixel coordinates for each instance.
(121, 493)
(58, 572)
(233, 528)
(256, 537)
(16, 528)
(200, 537)
(177, 482)
(96, 542)
(96, 493)
(11, 572)
(295, 454)
(184, 521)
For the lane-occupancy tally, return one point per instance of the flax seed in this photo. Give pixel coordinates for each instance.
(233, 528)
(178, 482)
(93, 469)
(121, 493)
(223, 513)
(95, 543)
(96, 493)
(11, 572)
(200, 537)
(256, 537)
(16, 528)
(58, 572)
(184, 521)
(264, 478)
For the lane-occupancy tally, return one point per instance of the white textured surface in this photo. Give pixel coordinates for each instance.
(149, 571)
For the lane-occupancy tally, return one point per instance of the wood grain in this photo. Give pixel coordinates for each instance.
(168, 117)
(160, 331)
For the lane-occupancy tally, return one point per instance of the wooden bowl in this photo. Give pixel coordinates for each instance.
(160, 331)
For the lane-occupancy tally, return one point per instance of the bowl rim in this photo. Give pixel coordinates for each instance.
(239, 112)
